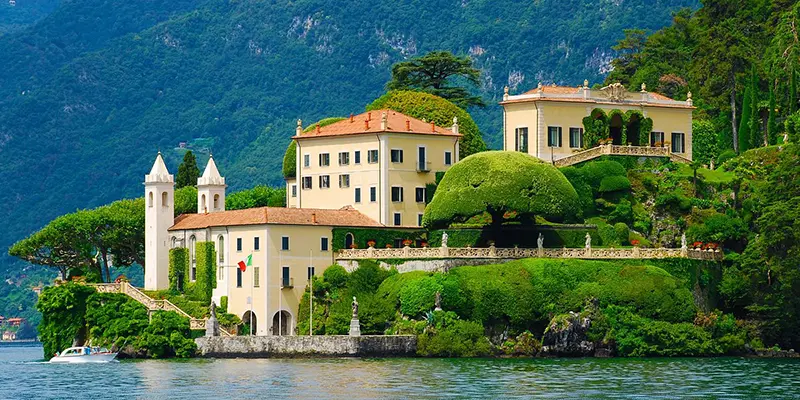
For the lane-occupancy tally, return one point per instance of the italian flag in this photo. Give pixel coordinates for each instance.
(246, 263)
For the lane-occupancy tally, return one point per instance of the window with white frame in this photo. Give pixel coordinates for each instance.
(357, 157)
(522, 139)
(397, 155)
(372, 156)
(373, 194)
(306, 160)
(554, 136)
(324, 181)
(448, 158)
(294, 190)
(398, 220)
(678, 142)
(420, 194)
(357, 193)
(324, 159)
(344, 181)
(306, 182)
(344, 158)
(576, 138)
(397, 194)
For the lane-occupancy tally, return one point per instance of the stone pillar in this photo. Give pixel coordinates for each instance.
(212, 326)
(355, 327)
(492, 251)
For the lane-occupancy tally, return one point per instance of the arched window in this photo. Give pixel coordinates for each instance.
(174, 242)
(204, 207)
(150, 199)
(348, 240)
(221, 255)
(164, 199)
(193, 258)
(216, 202)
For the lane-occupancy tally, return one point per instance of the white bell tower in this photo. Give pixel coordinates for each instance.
(159, 195)
(210, 189)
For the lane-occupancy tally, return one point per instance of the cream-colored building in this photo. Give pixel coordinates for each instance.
(287, 245)
(547, 122)
(378, 162)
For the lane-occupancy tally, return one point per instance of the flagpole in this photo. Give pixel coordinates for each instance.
(252, 284)
(280, 301)
(311, 292)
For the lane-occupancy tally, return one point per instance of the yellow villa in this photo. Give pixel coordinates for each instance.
(550, 122)
(378, 162)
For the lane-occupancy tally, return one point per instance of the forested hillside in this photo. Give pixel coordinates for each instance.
(16, 15)
(89, 93)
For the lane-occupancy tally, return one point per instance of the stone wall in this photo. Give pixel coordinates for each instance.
(440, 265)
(307, 346)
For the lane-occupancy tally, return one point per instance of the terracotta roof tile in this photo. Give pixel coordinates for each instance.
(370, 122)
(346, 216)
(555, 90)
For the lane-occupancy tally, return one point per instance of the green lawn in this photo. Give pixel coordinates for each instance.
(708, 175)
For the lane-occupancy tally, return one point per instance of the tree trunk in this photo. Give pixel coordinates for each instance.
(733, 114)
(104, 271)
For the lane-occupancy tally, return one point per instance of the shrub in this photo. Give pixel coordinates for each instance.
(114, 319)
(63, 311)
(367, 277)
(418, 296)
(582, 188)
(501, 183)
(594, 172)
(614, 183)
(623, 212)
(205, 279)
(259, 196)
(178, 265)
(622, 231)
(434, 109)
(725, 156)
(336, 276)
(452, 337)
(167, 335)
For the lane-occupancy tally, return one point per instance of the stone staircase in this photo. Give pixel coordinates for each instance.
(152, 304)
(616, 150)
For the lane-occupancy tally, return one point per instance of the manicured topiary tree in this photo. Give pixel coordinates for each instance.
(499, 183)
(290, 157)
(434, 109)
(206, 271)
(178, 265)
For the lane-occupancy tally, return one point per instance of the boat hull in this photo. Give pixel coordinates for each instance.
(84, 359)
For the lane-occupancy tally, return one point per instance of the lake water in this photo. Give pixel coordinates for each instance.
(24, 376)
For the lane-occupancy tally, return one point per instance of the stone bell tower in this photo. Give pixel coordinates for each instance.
(210, 189)
(159, 195)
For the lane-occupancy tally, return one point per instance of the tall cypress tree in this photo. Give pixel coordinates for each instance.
(792, 92)
(744, 123)
(756, 133)
(187, 171)
(772, 124)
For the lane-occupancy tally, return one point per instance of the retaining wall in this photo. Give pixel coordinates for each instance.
(307, 346)
(441, 265)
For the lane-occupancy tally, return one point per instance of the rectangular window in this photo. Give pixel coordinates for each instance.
(522, 139)
(294, 190)
(285, 243)
(358, 195)
(238, 277)
(678, 144)
(397, 219)
(344, 181)
(323, 244)
(373, 194)
(420, 194)
(448, 158)
(372, 156)
(256, 243)
(306, 160)
(256, 277)
(324, 181)
(657, 139)
(324, 159)
(306, 182)
(397, 155)
(576, 138)
(285, 281)
(311, 272)
(357, 157)
(221, 273)
(397, 194)
(238, 244)
(554, 136)
(344, 158)
(419, 219)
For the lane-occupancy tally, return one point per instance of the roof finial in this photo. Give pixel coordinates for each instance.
(689, 100)
(299, 129)
(505, 93)
(455, 125)
(644, 87)
(585, 83)
(384, 121)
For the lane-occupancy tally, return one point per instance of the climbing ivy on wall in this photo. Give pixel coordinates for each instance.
(178, 267)
(205, 280)
(623, 134)
(382, 237)
(597, 126)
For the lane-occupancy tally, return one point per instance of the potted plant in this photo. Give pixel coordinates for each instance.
(424, 244)
(353, 246)
(407, 242)
(388, 246)
(634, 243)
(697, 245)
(370, 243)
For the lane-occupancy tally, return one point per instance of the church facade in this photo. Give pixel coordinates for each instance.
(549, 122)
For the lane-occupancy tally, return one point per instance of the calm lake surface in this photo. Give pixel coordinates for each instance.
(24, 376)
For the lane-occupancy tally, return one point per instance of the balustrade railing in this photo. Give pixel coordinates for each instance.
(618, 150)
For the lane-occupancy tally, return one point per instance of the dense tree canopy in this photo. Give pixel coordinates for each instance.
(435, 73)
(435, 109)
(188, 172)
(501, 183)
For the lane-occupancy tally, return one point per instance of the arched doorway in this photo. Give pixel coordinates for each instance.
(249, 323)
(348, 240)
(282, 323)
(615, 124)
(633, 129)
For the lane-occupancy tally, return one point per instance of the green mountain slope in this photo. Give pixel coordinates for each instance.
(17, 15)
(233, 76)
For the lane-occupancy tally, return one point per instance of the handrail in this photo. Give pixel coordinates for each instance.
(618, 150)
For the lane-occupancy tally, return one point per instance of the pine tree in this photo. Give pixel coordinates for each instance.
(187, 171)
(772, 124)
(744, 123)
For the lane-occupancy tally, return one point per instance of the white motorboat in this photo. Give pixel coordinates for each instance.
(79, 355)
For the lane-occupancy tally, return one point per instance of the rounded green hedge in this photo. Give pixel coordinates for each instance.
(499, 182)
(614, 183)
(436, 109)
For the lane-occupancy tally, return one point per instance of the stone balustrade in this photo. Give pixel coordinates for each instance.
(601, 253)
(617, 150)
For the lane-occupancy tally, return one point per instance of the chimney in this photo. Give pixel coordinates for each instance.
(318, 128)
(455, 125)
(369, 116)
(384, 121)
(352, 118)
(366, 124)
(299, 129)
(408, 125)
(433, 127)
(313, 218)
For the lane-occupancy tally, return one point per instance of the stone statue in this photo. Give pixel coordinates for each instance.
(213, 309)
(683, 240)
(355, 326)
(212, 324)
(444, 239)
(355, 308)
(588, 241)
(540, 241)
(438, 301)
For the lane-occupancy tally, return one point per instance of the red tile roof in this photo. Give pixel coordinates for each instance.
(346, 216)
(370, 122)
